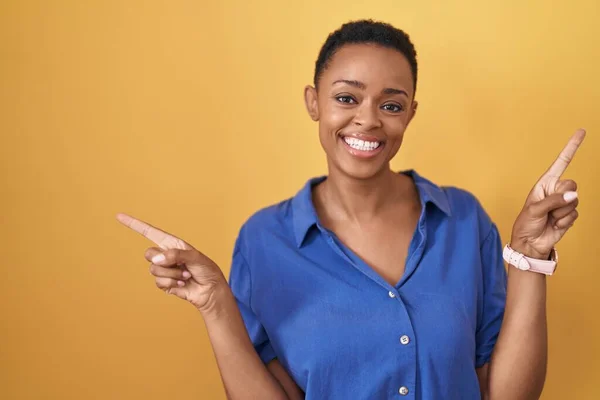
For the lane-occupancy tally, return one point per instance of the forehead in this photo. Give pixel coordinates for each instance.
(371, 64)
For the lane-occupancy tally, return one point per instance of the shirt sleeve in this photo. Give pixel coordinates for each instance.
(494, 297)
(241, 285)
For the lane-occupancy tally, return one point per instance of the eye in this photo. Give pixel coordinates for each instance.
(391, 107)
(346, 99)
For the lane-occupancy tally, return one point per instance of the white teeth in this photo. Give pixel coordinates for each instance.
(362, 145)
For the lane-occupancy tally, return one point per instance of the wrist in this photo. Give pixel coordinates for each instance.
(528, 251)
(219, 303)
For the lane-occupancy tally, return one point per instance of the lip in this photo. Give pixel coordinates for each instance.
(362, 153)
(363, 136)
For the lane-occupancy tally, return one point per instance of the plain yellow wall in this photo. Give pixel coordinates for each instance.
(189, 114)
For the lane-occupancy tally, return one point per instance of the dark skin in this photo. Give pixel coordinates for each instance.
(366, 95)
(366, 92)
(382, 241)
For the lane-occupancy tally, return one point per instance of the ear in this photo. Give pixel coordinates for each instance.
(413, 110)
(310, 100)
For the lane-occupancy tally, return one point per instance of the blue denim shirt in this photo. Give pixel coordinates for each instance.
(342, 331)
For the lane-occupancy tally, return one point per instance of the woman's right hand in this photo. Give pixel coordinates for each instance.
(204, 285)
(179, 269)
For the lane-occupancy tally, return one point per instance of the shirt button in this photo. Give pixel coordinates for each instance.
(404, 339)
(391, 294)
(403, 391)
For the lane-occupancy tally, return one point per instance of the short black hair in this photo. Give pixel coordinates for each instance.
(369, 32)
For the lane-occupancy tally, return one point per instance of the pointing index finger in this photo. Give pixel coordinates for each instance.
(566, 155)
(162, 239)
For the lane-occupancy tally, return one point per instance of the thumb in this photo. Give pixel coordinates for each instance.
(190, 257)
(151, 253)
(550, 203)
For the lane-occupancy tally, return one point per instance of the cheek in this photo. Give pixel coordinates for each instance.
(335, 118)
(396, 144)
(395, 127)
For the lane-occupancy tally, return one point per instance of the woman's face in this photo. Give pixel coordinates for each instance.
(363, 105)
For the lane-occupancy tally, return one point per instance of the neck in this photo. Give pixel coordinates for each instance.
(341, 197)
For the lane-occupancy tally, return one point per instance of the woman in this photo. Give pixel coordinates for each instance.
(372, 284)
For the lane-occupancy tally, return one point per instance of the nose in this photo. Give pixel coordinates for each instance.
(367, 116)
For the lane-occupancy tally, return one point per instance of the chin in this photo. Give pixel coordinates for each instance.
(361, 170)
(357, 163)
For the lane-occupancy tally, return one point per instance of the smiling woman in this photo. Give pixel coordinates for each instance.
(363, 97)
(372, 283)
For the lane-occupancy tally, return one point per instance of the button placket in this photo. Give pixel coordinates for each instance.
(404, 340)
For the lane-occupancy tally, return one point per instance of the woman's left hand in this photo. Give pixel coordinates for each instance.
(550, 209)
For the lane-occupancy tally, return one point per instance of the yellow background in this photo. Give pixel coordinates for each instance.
(189, 114)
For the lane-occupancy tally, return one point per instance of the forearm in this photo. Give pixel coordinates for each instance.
(518, 366)
(243, 372)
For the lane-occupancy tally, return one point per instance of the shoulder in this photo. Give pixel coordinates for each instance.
(270, 216)
(281, 224)
(462, 201)
(457, 201)
(467, 208)
(260, 226)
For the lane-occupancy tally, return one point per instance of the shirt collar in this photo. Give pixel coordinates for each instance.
(305, 216)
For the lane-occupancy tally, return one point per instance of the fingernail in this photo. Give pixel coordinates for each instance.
(186, 274)
(570, 196)
(157, 259)
(180, 283)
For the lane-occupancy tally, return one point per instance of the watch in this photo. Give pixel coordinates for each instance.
(524, 263)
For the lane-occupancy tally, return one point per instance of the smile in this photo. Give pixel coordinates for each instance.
(362, 148)
(361, 145)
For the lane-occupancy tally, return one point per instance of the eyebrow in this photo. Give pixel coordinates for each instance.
(361, 85)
